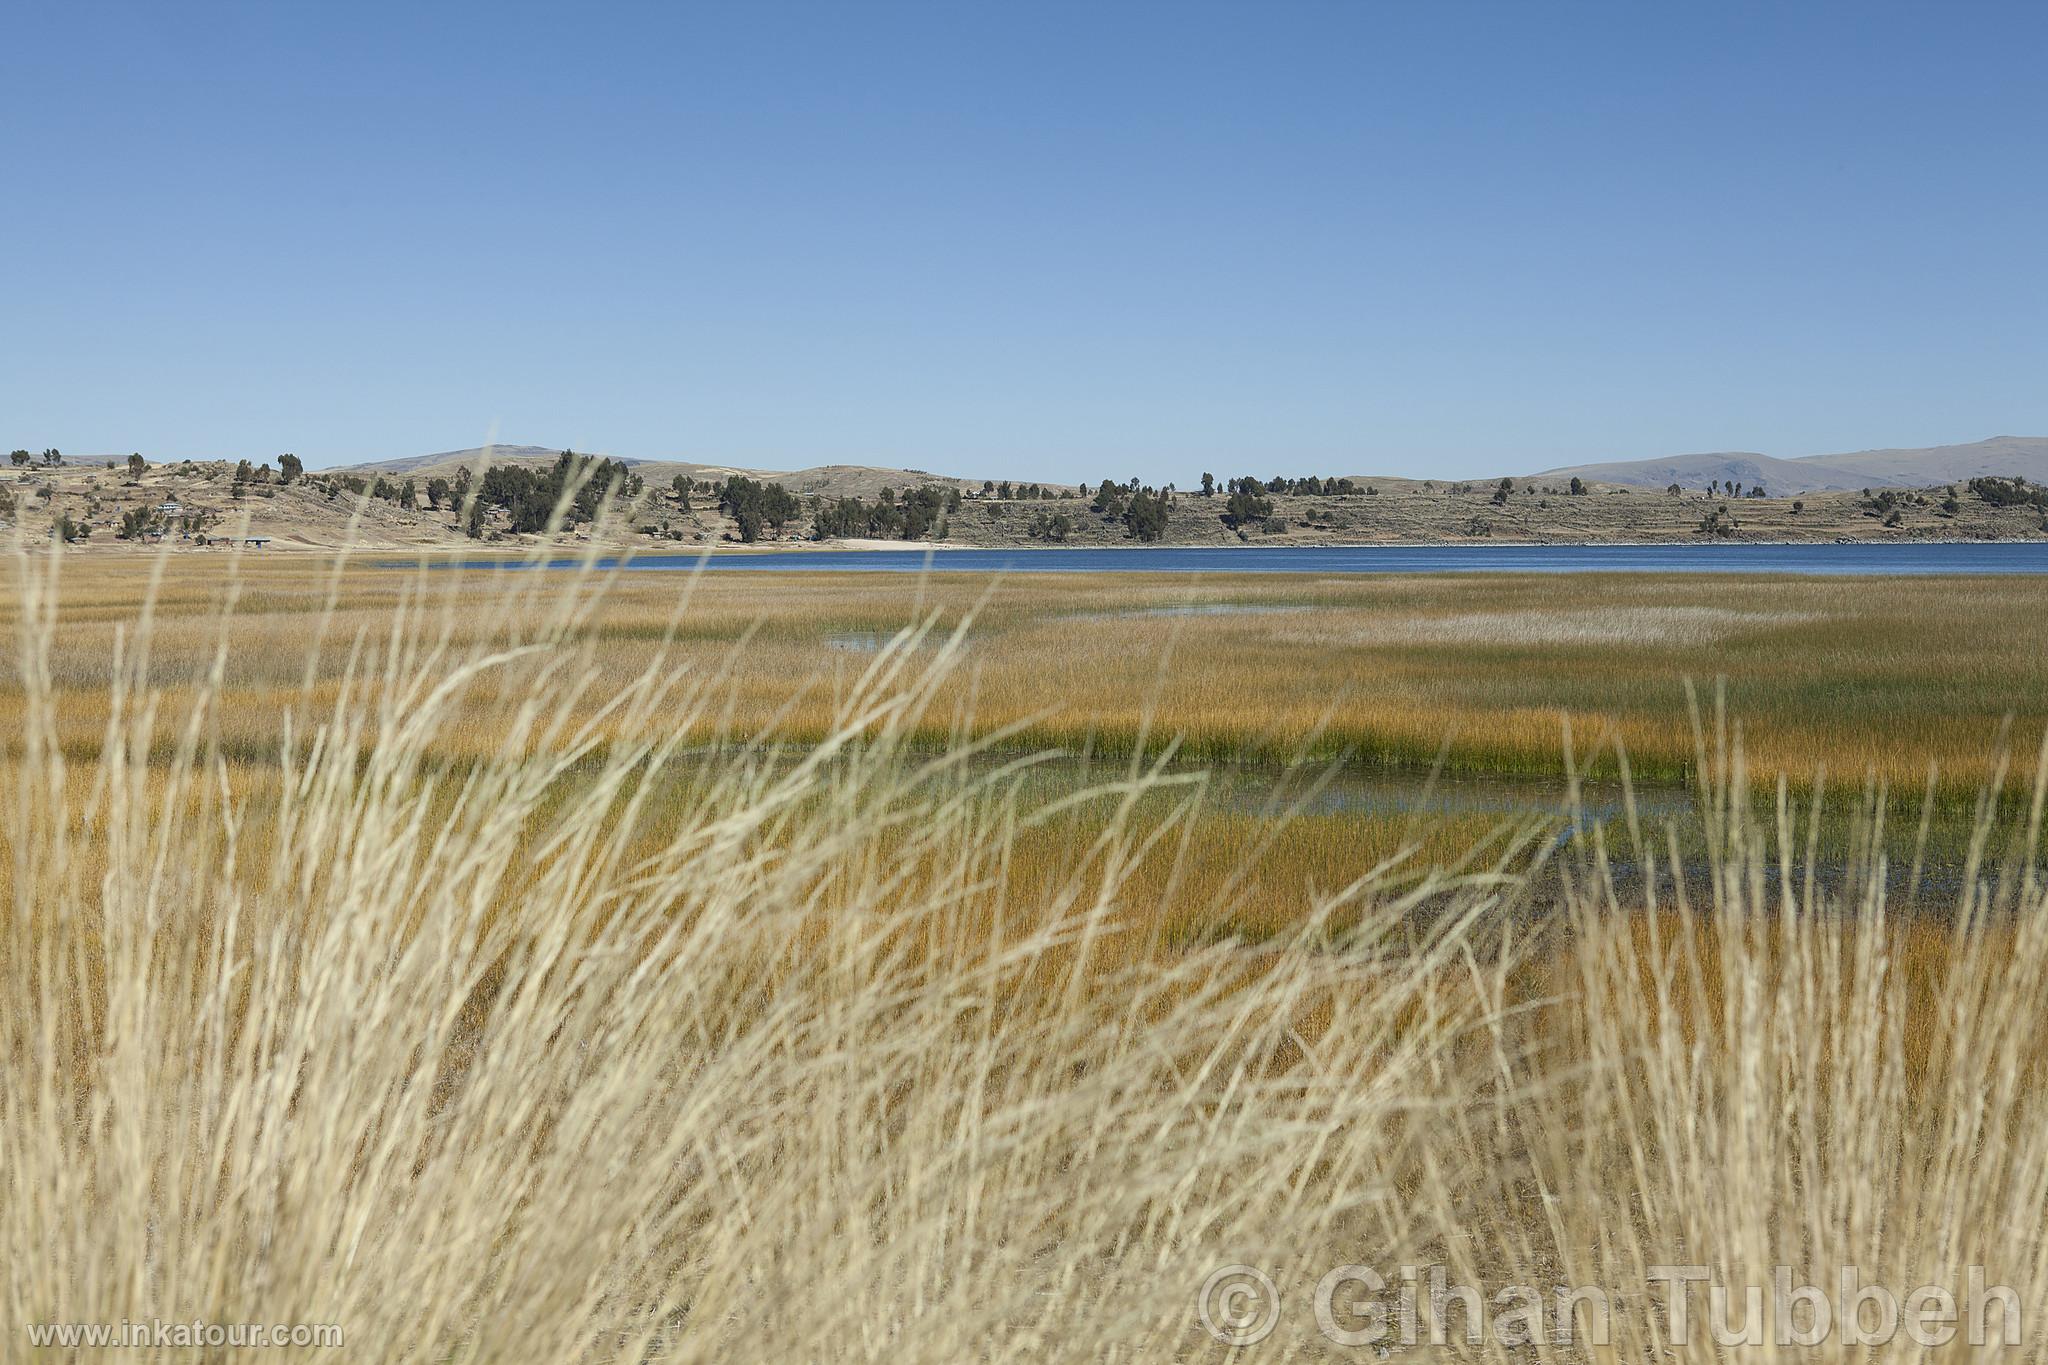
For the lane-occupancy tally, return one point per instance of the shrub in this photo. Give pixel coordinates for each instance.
(1719, 522)
(2014, 492)
(1054, 527)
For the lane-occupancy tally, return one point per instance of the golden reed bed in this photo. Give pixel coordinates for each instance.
(520, 969)
(1851, 675)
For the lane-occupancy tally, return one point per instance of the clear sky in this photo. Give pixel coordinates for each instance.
(1039, 240)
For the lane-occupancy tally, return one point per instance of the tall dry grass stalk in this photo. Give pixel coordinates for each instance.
(1780, 1085)
(616, 1052)
(601, 1047)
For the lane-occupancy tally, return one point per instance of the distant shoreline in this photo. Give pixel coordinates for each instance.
(864, 546)
(1982, 559)
(638, 550)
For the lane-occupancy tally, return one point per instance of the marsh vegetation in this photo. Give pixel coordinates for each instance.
(575, 966)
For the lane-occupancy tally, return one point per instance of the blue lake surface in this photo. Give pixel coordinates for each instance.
(1904, 558)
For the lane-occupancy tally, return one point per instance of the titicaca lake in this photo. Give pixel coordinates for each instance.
(1910, 558)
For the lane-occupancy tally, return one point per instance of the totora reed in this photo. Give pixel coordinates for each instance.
(492, 1002)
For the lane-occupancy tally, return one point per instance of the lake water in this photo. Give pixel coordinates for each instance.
(1904, 558)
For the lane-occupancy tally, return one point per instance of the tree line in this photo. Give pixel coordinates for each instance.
(1308, 486)
(916, 514)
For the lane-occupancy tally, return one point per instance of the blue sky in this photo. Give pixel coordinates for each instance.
(1037, 240)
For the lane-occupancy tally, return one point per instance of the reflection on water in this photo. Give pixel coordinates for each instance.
(1840, 866)
(1566, 820)
(1374, 791)
(1902, 557)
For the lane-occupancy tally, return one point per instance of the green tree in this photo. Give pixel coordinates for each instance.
(1247, 504)
(575, 484)
(2014, 492)
(289, 467)
(137, 466)
(137, 522)
(1109, 500)
(918, 513)
(923, 510)
(1145, 514)
(754, 505)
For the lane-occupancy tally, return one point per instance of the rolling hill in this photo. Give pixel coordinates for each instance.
(832, 480)
(2026, 456)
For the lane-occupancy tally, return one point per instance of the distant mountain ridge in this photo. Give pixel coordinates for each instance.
(835, 480)
(414, 464)
(2024, 456)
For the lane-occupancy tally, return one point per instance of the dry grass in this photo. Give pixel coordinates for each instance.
(1884, 677)
(553, 981)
